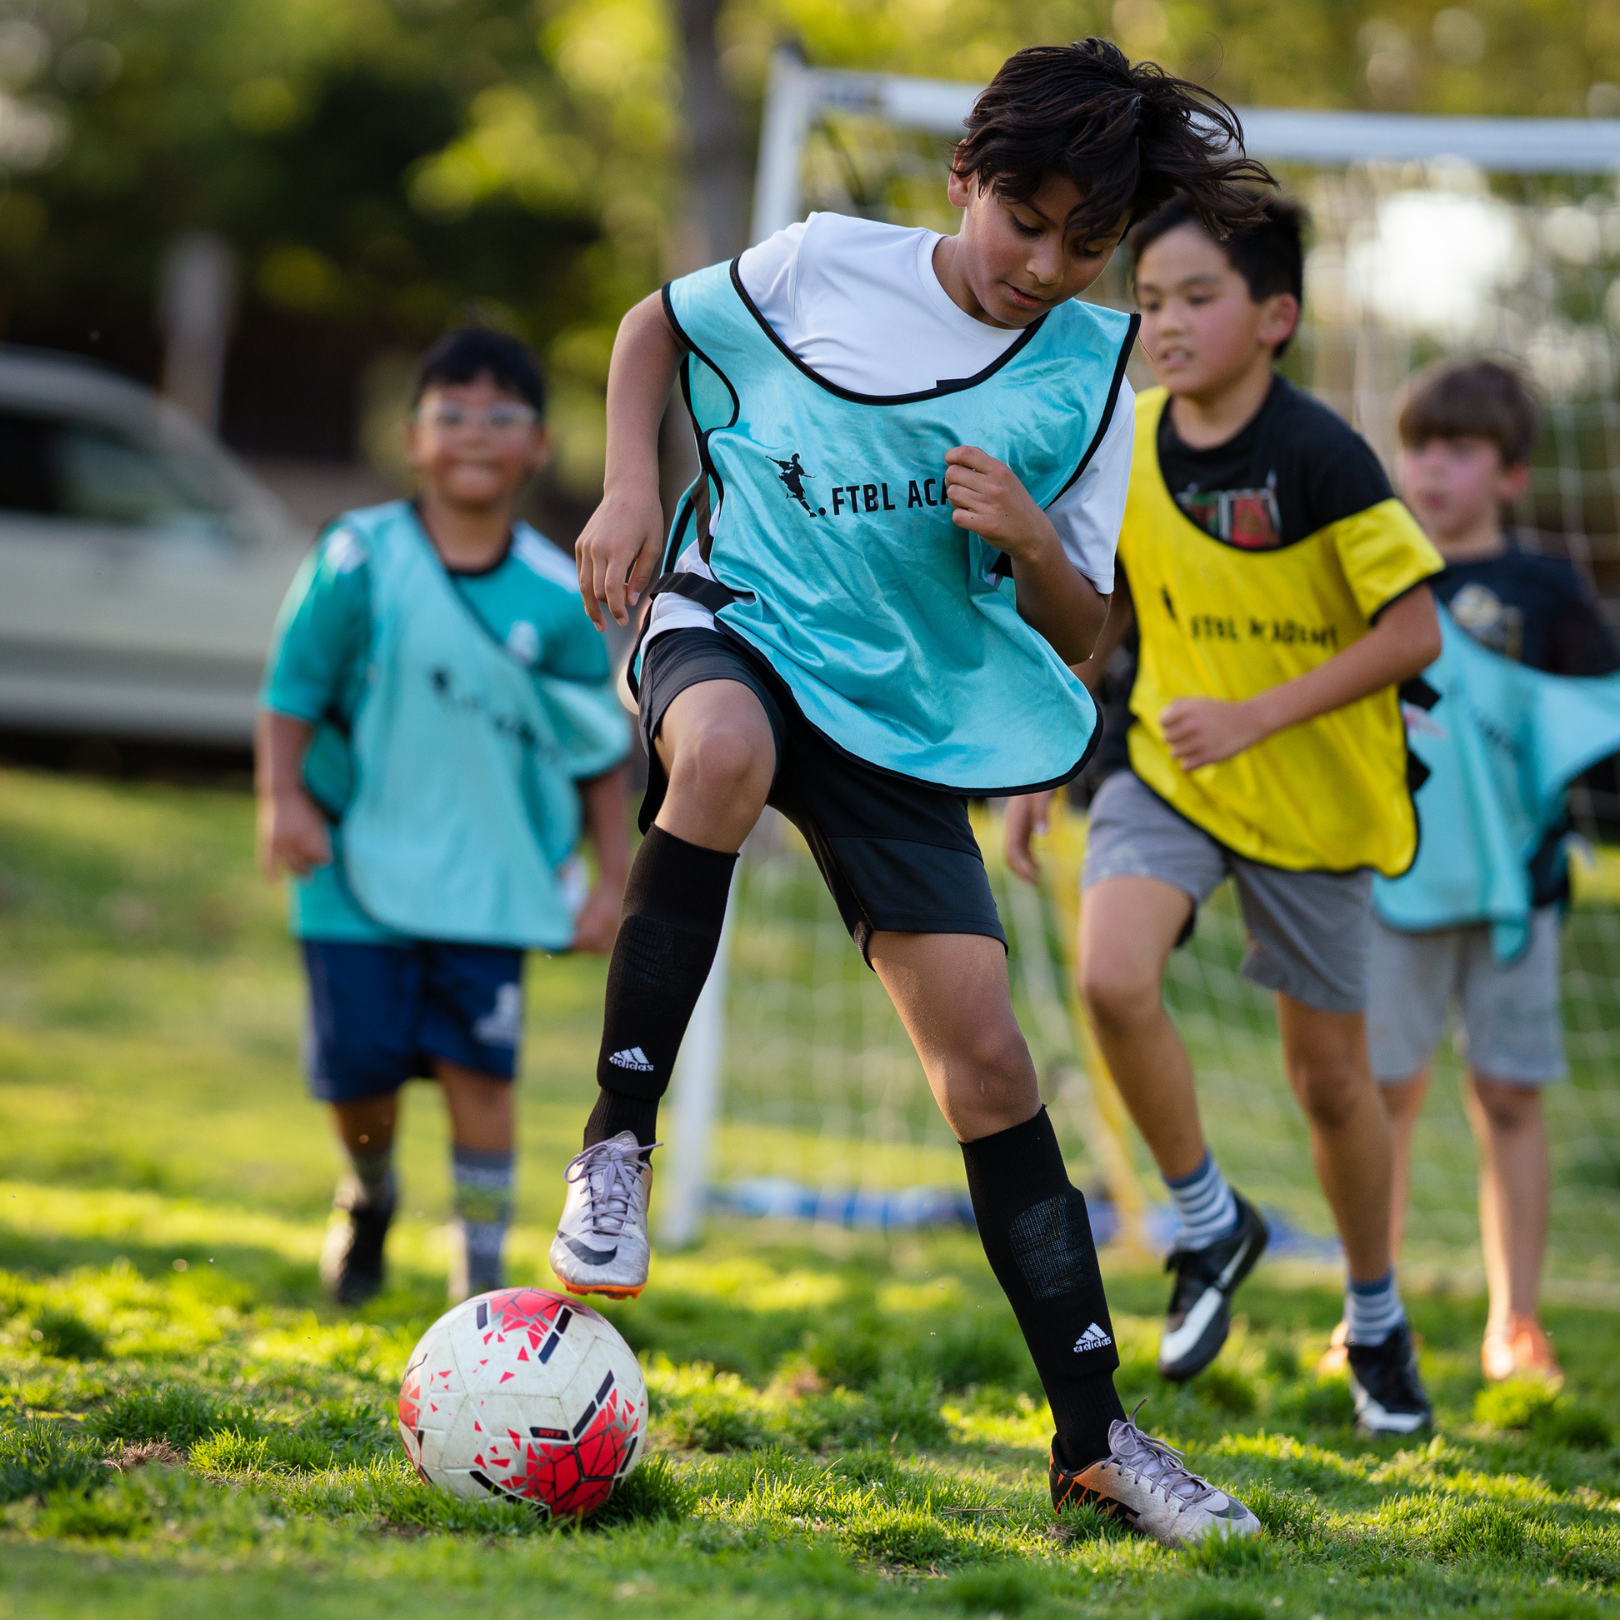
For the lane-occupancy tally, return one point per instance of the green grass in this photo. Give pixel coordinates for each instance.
(841, 1425)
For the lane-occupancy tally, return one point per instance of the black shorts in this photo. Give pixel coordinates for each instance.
(896, 853)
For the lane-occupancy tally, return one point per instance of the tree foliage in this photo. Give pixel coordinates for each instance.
(383, 167)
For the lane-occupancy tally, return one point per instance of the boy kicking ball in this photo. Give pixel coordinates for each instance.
(915, 451)
(1467, 428)
(1278, 592)
(435, 713)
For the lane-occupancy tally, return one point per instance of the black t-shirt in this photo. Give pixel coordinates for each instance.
(1293, 469)
(1534, 610)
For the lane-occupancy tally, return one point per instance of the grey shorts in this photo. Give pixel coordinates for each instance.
(1308, 931)
(1512, 1020)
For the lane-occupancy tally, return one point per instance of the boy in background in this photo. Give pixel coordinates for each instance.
(1467, 428)
(1278, 590)
(435, 713)
(914, 456)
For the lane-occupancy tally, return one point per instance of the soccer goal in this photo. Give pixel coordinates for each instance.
(798, 1094)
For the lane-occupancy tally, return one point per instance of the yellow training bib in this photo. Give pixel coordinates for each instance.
(1220, 621)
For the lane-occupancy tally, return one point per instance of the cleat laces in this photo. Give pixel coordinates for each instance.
(1160, 1464)
(611, 1180)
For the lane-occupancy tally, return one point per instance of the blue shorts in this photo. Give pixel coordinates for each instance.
(381, 1014)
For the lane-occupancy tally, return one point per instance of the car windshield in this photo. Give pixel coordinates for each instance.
(94, 473)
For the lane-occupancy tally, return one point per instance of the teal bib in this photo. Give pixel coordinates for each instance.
(897, 632)
(1500, 743)
(460, 807)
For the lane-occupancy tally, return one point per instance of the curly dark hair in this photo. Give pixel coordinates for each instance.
(1128, 136)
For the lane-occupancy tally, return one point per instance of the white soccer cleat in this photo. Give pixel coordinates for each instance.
(601, 1241)
(1142, 1483)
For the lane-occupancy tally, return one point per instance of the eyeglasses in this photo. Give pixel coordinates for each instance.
(495, 418)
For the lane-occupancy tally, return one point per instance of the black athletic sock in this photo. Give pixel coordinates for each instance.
(674, 906)
(1037, 1237)
(614, 1112)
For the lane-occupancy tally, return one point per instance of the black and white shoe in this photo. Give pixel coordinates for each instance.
(1200, 1314)
(1389, 1395)
(352, 1255)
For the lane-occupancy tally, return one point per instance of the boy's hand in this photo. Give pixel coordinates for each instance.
(597, 925)
(618, 551)
(1205, 731)
(991, 502)
(293, 834)
(1027, 816)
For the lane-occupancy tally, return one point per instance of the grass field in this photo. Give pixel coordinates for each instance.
(843, 1425)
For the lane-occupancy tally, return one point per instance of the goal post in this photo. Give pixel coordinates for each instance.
(797, 94)
(1431, 236)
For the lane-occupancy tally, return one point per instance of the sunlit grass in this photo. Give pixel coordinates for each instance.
(843, 1424)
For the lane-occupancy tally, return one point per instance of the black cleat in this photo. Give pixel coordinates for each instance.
(1390, 1398)
(1200, 1315)
(352, 1256)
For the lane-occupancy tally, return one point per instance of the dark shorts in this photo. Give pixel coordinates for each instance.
(895, 853)
(381, 1014)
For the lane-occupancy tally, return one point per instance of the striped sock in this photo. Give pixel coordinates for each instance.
(1372, 1310)
(370, 1182)
(484, 1208)
(1206, 1211)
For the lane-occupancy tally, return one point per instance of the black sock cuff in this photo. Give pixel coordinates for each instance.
(617, 1111)
(1026, 1156)
(679, 883)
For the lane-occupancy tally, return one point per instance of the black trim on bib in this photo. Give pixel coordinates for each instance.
(677, 530)
(709, 593)
(1108, 409)
(698, 495)
(955, 385)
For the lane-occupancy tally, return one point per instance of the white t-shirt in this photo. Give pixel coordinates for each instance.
(858, 302)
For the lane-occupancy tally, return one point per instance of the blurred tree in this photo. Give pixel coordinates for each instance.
(383, 167)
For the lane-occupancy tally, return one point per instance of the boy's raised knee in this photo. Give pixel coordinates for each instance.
(728, 755)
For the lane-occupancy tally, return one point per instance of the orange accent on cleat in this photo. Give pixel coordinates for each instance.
(609, 1293)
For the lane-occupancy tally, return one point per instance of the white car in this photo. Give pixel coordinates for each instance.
(141, 566)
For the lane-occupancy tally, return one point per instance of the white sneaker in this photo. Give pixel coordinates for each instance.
(601, 1241)
(1142, 1482)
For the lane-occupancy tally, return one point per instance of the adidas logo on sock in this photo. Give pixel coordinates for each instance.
(634, 1058)
(1092, 1339)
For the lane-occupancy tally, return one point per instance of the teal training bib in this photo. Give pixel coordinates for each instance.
(462, 806)
(897, 632)
(1501, 743)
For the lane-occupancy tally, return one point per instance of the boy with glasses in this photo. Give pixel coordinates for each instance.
(437, 722)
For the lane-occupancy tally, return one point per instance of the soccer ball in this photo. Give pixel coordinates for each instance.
(527, 1396)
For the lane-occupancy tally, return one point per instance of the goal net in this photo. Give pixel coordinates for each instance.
(799, 1095)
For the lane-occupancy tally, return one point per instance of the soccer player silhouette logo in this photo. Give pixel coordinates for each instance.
(793, 476)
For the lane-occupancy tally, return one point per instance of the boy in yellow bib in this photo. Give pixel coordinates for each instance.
(1277, 588)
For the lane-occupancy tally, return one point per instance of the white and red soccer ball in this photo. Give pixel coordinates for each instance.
(526, 1396)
